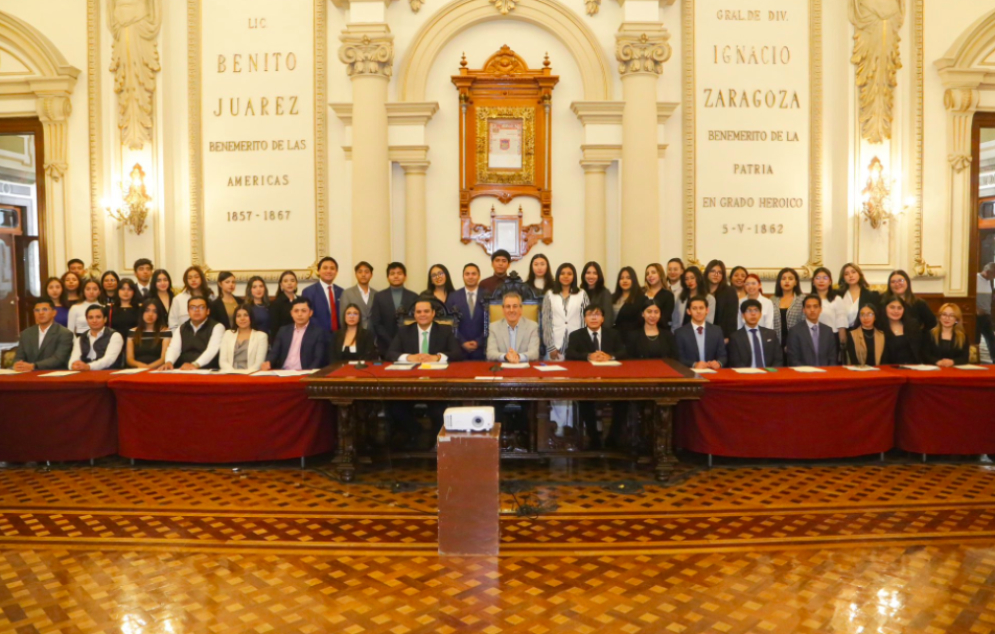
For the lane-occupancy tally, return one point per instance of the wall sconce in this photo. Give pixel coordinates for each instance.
(133, 209)
(876, 206)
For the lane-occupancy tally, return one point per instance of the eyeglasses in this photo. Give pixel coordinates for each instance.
(438, 274)
(193, 308)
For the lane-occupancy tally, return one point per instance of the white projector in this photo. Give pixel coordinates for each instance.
(469, 418)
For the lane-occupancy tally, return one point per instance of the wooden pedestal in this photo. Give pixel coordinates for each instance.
(469, 492)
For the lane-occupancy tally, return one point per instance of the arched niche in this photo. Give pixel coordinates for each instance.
(550, 15)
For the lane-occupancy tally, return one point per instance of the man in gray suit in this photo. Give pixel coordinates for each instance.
(46, 345)
(361, 295)
(513, 339)
(811, 342)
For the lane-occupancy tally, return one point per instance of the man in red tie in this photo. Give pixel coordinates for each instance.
(325, 296)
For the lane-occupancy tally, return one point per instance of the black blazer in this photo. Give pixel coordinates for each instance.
(383, 316)
(687, 345)
(741, 353)
(933, 352)
(913, 335)
(314, 347)
(366, 349)
(638, 346)
(726, 311)
(867, 298)
(630, 317)
(279, 314)
(580, 344)
(800, 351)
(665, 301)
(218, 312)
(441, 340)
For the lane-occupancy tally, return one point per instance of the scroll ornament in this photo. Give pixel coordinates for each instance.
(593, 6)
(641, 55)
(877, 58)
(504, 6)
(367, 56)
(134, 25)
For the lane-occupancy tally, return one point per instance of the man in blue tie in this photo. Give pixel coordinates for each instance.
(754, 346)
(810, 342)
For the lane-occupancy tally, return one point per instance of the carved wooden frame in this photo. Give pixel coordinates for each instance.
(505, 88)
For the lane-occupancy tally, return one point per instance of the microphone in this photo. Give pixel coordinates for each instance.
(496, 368)
(361, 365)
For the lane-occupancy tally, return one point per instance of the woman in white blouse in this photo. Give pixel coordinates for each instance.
(833, 311)
(194, 285)
(769, 318)
(243, 347)
(76, 321)
(562, 313)
(855, 292)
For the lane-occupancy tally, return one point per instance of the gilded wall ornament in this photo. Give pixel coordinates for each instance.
(367, 56)
(641, 54)
(415, 5)
(134, 25)
(877, 58)
(593, 6)
(504, 6)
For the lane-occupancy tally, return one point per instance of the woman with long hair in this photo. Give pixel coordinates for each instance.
(440, 283)
(257, 298)
(627, 301)
(73, 293)
(352, 342)
(790, 301)
(194, 285)
(148, 341)
(855, 292)
(162, 291)
(123, 315)
(737, 279)
(675, 275)
(279, 308)
(56, 292)
(726, 299)
(946, 344)
(243, 346)
(833, 314)
(562, 313)
(692, 286)
(76, 321)
(656, 290)
(223, 308)
(109, 282)
(902, 334)
(865, 343)
(769, 318)
(540, 277)
(900, 285)
(592, 280)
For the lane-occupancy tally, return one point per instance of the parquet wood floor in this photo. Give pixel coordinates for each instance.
(897, 547)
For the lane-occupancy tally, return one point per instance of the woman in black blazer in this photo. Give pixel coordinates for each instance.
(900, 286)
(947, 344)
(279, 308)
(653, 340)
(656, 292)
(902, 335)
(353, 342)
(726, 299)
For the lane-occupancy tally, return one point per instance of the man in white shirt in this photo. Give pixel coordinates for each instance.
(700, 345)
(98, 349)
(46, 345)
(754, 346)
(143, 275)
(196, 343)
(514, 339)
(361, 294)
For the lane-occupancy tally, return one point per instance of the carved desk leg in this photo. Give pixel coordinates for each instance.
(664, 459)
(345, 451)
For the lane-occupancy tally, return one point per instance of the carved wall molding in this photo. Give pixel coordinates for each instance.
(920, 267)
(642, 52)
(53, 112)
(365, 55)
(93, 84)
(504, 6)
(961, 104)
(550, 15)
(592, 6)
(877, 57)
(134, 62)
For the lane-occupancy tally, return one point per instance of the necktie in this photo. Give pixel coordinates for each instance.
(758, 351)
(512, 338)
(701, 329)
(469, 300)
(331, 304)
(424, 343)
(815, 341)
(597, 346)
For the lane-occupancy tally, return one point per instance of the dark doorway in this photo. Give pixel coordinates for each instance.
(983, 228)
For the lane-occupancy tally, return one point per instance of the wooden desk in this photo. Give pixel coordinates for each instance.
(661, 385)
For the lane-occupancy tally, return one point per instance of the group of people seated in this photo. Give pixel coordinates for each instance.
(704, 319)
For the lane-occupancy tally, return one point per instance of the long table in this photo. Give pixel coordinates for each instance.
(58, 418)
(218, 418)
(788, 414)
(661, 384)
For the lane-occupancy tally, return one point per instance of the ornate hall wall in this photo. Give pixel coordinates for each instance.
(373, 156)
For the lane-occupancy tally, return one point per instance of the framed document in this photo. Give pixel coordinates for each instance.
(504, 144)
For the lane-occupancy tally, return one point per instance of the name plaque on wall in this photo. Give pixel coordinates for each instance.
(752, 122)
(257, 120)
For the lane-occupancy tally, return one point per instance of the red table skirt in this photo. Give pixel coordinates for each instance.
(635, 369)
(218, 419)
(65, 418)
(834, 414)
(947, 412)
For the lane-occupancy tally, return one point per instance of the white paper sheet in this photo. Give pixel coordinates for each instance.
(606, 364)
(807, 369)
(400, 366)
(179, 371)
(551, 368)
(515, 366)
(920, 367)
(59, 373)
(749, 370)
(8, 372)
(862, 368)
(131, 371)
(971, 366)
(285, 373)
(704, 371)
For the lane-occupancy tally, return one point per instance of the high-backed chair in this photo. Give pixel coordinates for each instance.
(443, 314)
(531, 304)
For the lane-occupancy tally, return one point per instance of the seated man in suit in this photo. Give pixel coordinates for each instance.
(46, 345)
(699, 343)
(754, 346)
(325, 296)
(594, 343)
(99, 348)
(388, 305)
(514, 339)
(473, 314)
(197, 342)
(302, 345)
(361, 295)
(421, 342)
(811, 342)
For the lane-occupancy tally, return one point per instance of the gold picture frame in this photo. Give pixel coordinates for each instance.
(523, 176)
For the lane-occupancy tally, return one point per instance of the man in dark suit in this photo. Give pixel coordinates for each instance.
(388, 305)
(46, 345)
(500, 261)
(753, 346)
(421, 342)
(302, 345)
(143, 275)
(473, 314)
(594, 343)
(811, 342)
(699, 343)
(325, 296)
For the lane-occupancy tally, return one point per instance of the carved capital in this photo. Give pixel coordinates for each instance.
(134, 63)
(53, 112)
(641, 53)
(365, 55)
(54, 109)
(961, 100)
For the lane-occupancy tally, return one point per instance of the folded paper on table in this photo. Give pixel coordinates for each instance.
(8, 372)
(514, 366)
(919, 367)
(400, 366)
(861, 368)
(606, 364)
(750, 370)
(131, 371)
(970, 366)
(703, 371)
(551, 368)
(284, 373)
(807, 369)
(54, 375)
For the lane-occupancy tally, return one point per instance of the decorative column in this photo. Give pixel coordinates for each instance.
(415, 235)
(368, 52)
(594, 210)
(53, 112)
(961, 104)
(641, 49)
